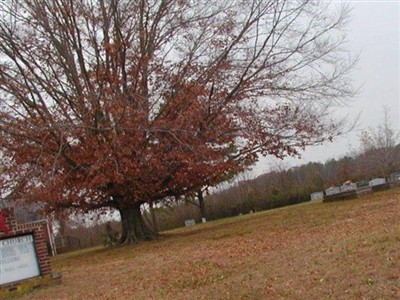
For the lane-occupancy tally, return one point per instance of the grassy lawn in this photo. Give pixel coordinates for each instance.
(341, 250)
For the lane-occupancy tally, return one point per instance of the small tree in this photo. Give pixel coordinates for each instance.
(380, 149)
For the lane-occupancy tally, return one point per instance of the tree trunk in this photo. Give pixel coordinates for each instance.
(201, 204)
(134, 229)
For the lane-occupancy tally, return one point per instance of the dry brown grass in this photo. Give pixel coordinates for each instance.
(342, 250)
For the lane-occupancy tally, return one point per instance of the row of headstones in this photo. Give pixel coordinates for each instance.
(192, 222)
(347, 188)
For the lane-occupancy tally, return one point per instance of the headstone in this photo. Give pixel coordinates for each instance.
(332, 191)
(190, 222)
(377, 181)
(348, 187)
(203, 220)
(395, 177)
(362, 183)
(317, 196)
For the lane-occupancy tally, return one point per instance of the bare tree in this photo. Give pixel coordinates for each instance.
(380, 148)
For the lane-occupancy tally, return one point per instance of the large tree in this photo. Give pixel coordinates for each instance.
(118, 103)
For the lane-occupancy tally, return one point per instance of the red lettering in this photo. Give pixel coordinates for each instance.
(3, 225)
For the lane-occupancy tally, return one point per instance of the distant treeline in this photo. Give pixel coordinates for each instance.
(283, 187)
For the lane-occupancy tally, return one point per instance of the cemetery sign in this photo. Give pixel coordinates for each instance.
(18, 259)
(24, 257)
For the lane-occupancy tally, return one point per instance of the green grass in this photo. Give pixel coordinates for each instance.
(340, 250)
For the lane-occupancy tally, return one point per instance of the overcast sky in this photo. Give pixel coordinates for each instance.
(375, 33)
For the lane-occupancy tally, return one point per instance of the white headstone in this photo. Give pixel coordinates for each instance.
(348, 187)
(317, 196)
(332, 191)
(190, 222)
(203, 220)
(377, 181)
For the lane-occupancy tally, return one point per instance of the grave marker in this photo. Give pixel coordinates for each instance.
(332, 191)
(190, 222)
(348, 187)
(377, 181)
(317, 196)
